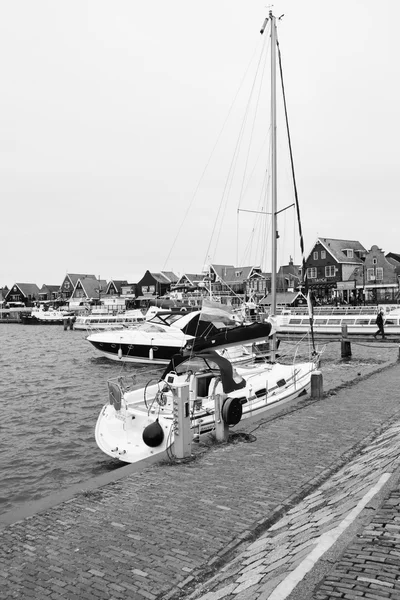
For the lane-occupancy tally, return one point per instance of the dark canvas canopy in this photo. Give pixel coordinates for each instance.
(225, 368)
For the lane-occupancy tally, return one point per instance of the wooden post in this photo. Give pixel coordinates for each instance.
(345, 344)
(221, 428)
(65, 321)
(346, 349)
(317, 390)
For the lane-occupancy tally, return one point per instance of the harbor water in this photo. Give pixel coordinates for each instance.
(53, 386)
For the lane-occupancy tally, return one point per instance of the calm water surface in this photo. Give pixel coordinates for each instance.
(53, 386)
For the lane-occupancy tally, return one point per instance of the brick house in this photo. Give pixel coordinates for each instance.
(377, 280)
(330, 268)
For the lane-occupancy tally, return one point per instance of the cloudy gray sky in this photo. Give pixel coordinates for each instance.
(109, 113)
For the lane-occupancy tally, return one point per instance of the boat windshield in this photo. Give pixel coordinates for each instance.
(151, 327)
(166, 318)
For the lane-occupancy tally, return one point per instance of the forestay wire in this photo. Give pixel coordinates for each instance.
(303, 257)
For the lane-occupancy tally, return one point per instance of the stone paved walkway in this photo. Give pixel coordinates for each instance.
(273, 565)
(164, 531)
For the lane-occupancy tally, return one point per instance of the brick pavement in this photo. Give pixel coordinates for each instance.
(160, 531)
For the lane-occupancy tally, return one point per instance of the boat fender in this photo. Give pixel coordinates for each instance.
(120, 352)
(232, 410)
(153, 434)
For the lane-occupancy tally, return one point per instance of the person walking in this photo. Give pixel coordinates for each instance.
(379, 322)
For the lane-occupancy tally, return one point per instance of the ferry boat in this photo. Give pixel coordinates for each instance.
(359, 320)
(103, 320)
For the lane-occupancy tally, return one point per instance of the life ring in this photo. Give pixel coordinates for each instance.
(232, 411)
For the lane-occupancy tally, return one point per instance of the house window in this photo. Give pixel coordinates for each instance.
(379, 273)
(323, 254)
(315, 255)
(330, 271)
(374, 261)
(238, 273)
(370, 275)
(312, 273)
(349, 253)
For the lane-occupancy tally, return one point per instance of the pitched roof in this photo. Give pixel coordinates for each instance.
(49, 288)
(171, 276)
(228, 273)
(75, 276)
(160, 277)
(28, 289)
(394, 256)
(283, 298)
(91, 286)
(118, 284)
(335, 248)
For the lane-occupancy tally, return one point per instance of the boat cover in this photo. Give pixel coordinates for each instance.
(229, 384)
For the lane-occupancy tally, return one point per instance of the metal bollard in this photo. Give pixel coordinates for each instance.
(221, 428)
(317, 390)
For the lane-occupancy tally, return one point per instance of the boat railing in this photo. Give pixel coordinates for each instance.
(118, 386)
(335, 310)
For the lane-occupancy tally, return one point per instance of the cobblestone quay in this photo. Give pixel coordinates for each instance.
(162, 531)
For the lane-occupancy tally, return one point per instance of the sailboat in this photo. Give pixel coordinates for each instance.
(201, 385)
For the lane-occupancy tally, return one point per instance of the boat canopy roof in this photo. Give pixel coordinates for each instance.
(209, 360)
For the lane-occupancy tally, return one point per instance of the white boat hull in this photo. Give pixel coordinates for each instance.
(119, 433)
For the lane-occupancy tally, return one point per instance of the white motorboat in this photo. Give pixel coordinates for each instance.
(331, 320)
(167, 333)
(139, 423)
(101, 320)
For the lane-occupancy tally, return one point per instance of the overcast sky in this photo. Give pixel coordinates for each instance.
(109, 113)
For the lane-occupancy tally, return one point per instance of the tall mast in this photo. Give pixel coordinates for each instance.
(273, 171)
(273, 164)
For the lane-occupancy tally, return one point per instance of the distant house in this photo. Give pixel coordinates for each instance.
(238, 282)
(189, 282)
(289, 278)
(377, 279)
(286, 299)
(115, 287)
(88, 289)
(156, 284)
(25, 293)
(49, 293)
(69, 283)
(330, 266)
